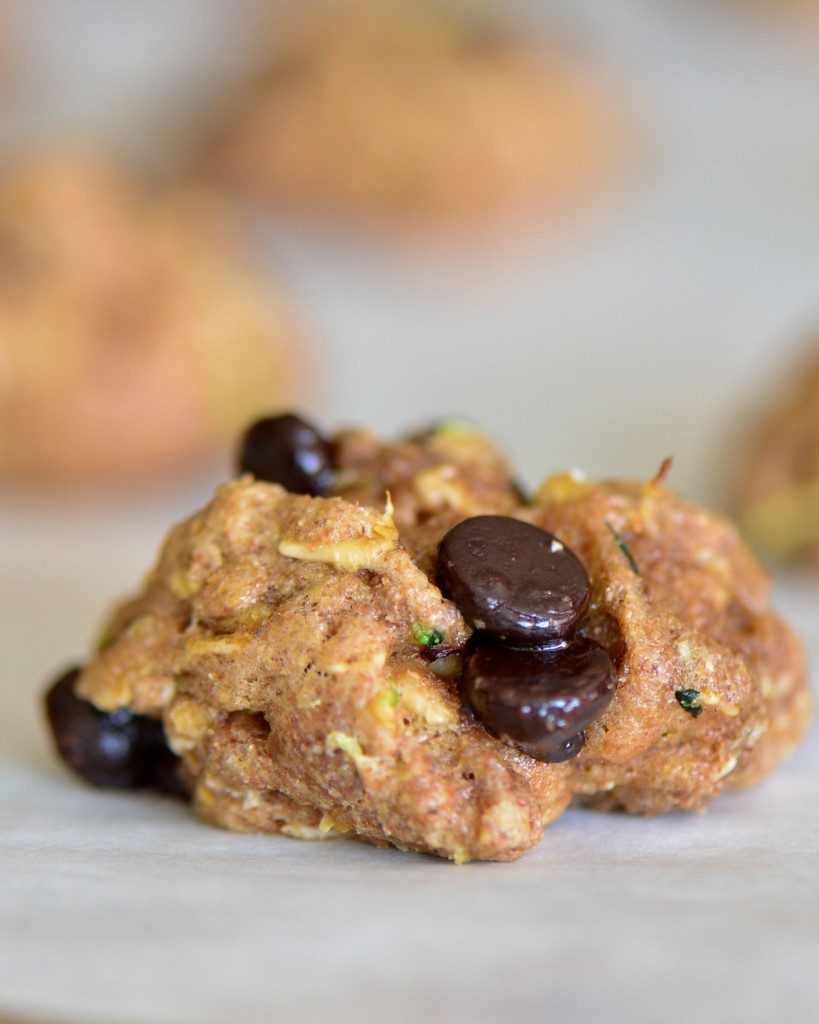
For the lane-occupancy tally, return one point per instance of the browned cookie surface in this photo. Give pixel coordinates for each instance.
(304, 662)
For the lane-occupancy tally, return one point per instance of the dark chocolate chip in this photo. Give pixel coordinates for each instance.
(513, 580)
(113, 750)
(554, 749)
(166, 774)
(287, 450)
(538, 700)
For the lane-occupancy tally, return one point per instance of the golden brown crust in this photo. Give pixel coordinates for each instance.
(278, 637)
(132, 338)
(386, 110)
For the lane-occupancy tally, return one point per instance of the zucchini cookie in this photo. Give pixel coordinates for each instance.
(389, 641)
(132, 335)
(779, 490)
(400, 113)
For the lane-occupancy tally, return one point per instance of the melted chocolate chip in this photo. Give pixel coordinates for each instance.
(287, 450)
(113, 750)
(513, 581)
(538, 700)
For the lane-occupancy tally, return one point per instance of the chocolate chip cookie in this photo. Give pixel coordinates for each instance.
(374, 655)
(401, 113)
(134, 339)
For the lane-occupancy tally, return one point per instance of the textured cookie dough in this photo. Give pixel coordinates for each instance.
(682, 605)
(281, 639)
(132, 338)
(397, 112)
(779, 491)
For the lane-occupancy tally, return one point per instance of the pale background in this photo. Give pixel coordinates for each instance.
(653, 325)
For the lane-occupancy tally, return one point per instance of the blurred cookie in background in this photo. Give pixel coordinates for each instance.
(779, 493)
(399, 113)
(792, 22)
(798, 12)
(133, 337)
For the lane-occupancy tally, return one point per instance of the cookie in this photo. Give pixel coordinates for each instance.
(133, 337)
(394, 113)
(314, 679)
(779, 489)
(798, 14)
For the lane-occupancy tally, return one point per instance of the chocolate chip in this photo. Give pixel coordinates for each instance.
(166, 776)
(287, 450)
(512, 580)
(538, 700)
(113, 750)
(554, 749)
